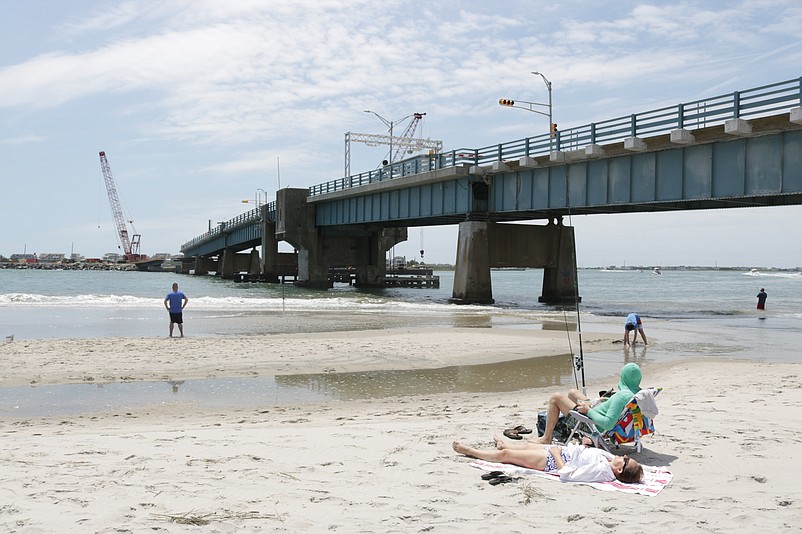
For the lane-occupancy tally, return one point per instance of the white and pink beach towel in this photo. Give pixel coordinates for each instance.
(654, 478)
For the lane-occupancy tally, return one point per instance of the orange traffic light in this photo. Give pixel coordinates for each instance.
(505, 102)
(553, 127)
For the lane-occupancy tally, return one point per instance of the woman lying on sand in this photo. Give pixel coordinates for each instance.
(574, 463)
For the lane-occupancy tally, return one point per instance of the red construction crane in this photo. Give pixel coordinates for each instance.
(130, 246)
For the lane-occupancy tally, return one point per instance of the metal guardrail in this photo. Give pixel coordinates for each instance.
(759, 101)
(756, 102)
(241, 220)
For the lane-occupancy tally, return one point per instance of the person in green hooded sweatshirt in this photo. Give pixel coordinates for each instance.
(604, 412)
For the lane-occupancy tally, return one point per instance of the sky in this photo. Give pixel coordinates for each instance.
(200, 104)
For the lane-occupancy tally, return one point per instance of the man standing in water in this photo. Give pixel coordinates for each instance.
(761, 299)
(174, 303)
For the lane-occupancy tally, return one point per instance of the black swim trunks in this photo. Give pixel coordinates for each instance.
(176, 318)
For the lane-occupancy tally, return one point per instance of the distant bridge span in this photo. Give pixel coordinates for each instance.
(736, 150)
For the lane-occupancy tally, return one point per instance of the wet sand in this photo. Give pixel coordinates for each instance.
(378, 464)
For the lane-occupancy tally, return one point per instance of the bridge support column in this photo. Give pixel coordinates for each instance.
(295, 224)
(201, 265)
(256, 263)
(225, 264)
(312, 272)
(559, 281)
(371, 267)
(472, 273)
(270, 255)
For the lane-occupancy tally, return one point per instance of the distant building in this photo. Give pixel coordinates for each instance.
(399, 262)
(112, 257)
(51, 257)
(24, 258)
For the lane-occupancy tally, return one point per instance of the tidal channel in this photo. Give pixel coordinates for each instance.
(75, 399)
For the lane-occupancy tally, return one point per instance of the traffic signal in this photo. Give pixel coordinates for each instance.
(553, 127)
(505, 102)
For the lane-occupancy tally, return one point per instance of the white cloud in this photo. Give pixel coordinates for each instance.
(199, 92)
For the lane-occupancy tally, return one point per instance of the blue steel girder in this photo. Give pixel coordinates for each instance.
(753, 171)
(242, 232)
(237, 239)
(442, 202)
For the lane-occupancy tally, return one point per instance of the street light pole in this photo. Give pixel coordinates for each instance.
(389, 124)
(548, 87)
(531, 106)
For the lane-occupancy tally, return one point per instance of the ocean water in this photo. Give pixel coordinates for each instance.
(695, 308)
(686, 314)
(56, 304)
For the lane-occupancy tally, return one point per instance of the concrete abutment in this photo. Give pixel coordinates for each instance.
(484, 245)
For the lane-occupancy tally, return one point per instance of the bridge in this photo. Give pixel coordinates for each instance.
(734, 150)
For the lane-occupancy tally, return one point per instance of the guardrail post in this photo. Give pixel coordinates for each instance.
(736, 104)
(800, 90)
(526, 147)
(634, 125)
(681, 116)
(592, 133)
(500, 155)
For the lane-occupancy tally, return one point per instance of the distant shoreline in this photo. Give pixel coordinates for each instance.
(689, 268)
(83, 266)
(111, 266)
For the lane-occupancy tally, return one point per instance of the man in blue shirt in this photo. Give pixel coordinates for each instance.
(633, 323)
(174, 303)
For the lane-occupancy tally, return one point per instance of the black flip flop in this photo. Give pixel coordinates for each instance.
(492, 475)
(501, 480)
(512, 434)
(521, 429)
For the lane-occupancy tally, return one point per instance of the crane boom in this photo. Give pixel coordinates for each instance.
(402, 142)
(130, 246)
(408, 133)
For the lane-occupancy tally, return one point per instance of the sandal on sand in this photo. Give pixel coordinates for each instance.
(492, 474)
(500, 480)
(512, 434)
(521, 429)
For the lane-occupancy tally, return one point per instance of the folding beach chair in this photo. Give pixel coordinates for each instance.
(631, 426)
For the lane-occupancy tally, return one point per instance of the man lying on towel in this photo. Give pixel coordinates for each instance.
(573, 463)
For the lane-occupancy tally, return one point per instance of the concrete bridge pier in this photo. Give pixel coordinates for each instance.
(230, 263)
(483, 245)
(204, 265)
(225, 264)
(370, 252)
(559, 281)
(295, 224)
(361, 247)
(472, 283)
(256, 263)
(270, 254)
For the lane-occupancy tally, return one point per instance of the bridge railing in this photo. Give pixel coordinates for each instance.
(759, 101)
(241, 220)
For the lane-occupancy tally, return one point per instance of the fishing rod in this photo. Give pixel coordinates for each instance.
(278, 178)
(579, 361)
(579, 364)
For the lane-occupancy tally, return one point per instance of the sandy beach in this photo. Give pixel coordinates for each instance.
(726, 429)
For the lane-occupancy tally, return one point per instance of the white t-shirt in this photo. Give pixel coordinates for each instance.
(587, 464)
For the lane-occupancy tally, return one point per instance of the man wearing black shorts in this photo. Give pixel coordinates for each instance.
(174, 303)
